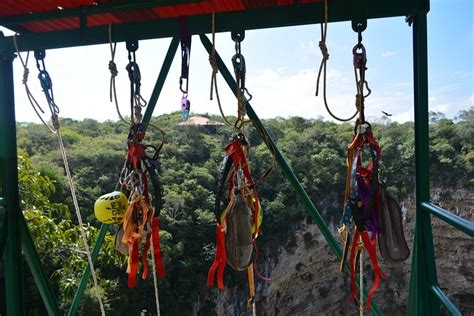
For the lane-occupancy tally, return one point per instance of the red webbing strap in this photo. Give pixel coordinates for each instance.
(133, 263)
(155, 229)
(261, 276)
(135, 153)
(219, 262)
(352, 264)
(148, 235)
(370, 246)
(234, 150)
(144, 255)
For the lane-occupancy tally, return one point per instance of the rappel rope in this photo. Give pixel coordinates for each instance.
(323, 66)
(155, 278)
(215, 70)
(47, 89)
(113, 74)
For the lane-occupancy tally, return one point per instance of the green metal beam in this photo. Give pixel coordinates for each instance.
(40, 277)
(100, 8)
(3, 230)
(161, 80)
(443, 299)
(277, 16)
(286, 169)
(460, 223)
(146, 119)
(9, 185)
(87, 272)
(421, 300)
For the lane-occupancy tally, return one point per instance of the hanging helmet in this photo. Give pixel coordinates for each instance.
(110, 207)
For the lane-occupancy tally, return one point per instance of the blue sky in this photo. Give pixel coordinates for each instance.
(282, 67)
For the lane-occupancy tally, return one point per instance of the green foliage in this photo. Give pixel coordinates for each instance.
(189, 167)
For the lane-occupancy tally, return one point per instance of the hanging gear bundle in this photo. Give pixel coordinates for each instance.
(369, 209)
(185, 39)
(361, 206)
(136, 100)
(238, 225)
(141, 217)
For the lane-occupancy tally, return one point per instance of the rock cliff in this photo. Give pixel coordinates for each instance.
(306, 279)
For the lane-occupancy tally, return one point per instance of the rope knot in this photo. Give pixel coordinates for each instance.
(26, 72)
(360, 107)
(324, 50)
(55, 120)
(213, 62)
(113, 68)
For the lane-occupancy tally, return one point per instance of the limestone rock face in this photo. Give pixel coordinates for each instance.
(306, 278)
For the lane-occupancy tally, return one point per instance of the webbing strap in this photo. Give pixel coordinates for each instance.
(133, 263)
(235, 151)
(370, 246)
(219, 262)
(155, 228)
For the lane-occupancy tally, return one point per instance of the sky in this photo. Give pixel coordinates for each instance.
(282, 65)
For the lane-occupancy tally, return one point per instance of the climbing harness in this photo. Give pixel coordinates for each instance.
(136, 100)
(185, 39)
(47, 87)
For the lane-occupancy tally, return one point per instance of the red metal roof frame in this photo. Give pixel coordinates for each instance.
(44, 16)
(68, 23)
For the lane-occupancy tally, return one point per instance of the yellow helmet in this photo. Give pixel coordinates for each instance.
(110, 207)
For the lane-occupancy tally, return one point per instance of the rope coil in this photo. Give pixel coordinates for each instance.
(322, 67)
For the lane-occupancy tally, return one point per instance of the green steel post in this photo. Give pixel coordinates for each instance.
(87, 272)
(41, 280)
(3, 230)
(287, 171)
(146, 119)
(9, 185)
(161, 79)
(423, 276)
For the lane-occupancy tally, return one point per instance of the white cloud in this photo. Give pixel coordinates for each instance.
(389, 54)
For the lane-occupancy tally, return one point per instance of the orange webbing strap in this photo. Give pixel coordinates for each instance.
(220, 260)
(350, 158)
(251, 300)
(133, 233)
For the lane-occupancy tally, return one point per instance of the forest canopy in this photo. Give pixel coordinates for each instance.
(189, 167)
